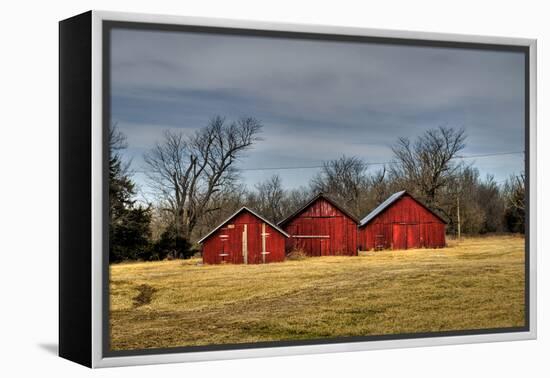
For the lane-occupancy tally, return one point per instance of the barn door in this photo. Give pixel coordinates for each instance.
(325, 247)
(406, 236)
(413, 236)
(399, 236)
(253, 243)
(230, 244)
(325, 242)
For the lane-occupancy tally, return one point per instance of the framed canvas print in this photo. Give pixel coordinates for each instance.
(234, 189)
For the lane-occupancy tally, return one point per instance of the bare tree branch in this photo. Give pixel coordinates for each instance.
(426, 166)
(187, 172)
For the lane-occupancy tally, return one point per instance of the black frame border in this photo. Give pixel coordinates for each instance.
(75, 189)
(110, 25)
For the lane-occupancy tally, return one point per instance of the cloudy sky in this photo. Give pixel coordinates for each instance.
(316, 99)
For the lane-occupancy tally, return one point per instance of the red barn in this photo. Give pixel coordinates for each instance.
(244, 238)
(321, 227)
(401, 222)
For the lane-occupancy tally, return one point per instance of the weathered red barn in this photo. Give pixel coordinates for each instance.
(244, 238)
(401, 222)
(320, 228)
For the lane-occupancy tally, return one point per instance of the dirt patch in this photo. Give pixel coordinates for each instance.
(145, 295)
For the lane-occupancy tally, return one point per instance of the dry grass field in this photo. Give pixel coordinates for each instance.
(476, 284)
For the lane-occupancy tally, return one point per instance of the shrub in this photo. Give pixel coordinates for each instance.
(171, 246)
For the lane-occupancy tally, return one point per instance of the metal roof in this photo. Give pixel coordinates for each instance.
(391, 199)
(311, 201)
(244, 208)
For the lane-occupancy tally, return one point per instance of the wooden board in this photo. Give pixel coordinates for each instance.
(322, 230)
(240, 241)
(424, 230)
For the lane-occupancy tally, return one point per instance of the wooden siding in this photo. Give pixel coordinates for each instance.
(227, 245)
(322, 230)
(404, 224)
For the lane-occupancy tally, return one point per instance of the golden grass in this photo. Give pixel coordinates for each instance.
(476, 284)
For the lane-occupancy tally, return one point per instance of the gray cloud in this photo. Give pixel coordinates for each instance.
(317, 99)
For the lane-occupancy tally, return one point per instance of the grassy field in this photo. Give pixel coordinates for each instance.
(476, 284)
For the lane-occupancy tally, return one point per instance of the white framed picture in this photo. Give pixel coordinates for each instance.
(232, 189)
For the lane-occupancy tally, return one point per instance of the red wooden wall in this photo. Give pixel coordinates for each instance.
(404, 224)
(336, 233)
(229, 240)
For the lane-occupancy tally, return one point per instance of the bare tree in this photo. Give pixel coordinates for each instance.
(426, 166)
(460, 200)
(491, 200)
(187, 172)
(345, 179)
(294, 199)
(514, 194)
(117, 140)
(379, 185)
(227, 201)
(268, 198)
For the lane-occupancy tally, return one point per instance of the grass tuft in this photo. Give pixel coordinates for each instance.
(296, 254)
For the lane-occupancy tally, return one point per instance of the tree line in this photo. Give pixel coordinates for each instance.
(196, 185)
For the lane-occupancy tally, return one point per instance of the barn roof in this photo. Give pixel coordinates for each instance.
(387, 203)
(244, 208)
(310, 202)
